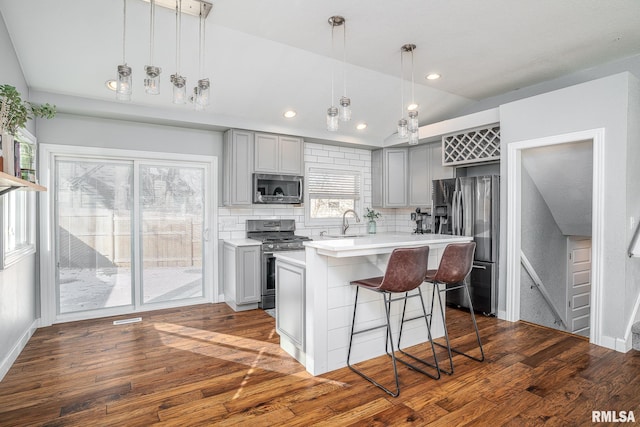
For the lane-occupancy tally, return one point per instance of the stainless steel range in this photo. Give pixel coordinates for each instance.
(276, 235)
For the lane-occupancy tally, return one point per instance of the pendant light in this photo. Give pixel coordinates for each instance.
(345, 102)
(152, 81)
(123, 87)
(334, 115)
(414, 125)
(403, 126)
(201, 91)
(179, 82)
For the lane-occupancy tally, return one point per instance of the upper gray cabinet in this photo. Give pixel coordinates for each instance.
(402, 177)
(278, 154)
(389, 175)
(238, 164)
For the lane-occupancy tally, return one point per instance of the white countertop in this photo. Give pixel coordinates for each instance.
(378, 243)
(243, 242)
(292, 257)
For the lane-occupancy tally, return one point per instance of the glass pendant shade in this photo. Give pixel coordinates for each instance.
(403, 128)
(201, 94)
(179, 89)
(332, 119)
(413, 137)
(123, 88)
(413, 121)
(345, 109)
(152, 81)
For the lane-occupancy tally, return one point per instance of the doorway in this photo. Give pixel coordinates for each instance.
(516, 204)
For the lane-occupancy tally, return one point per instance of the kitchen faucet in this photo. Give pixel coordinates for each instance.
(345, 223)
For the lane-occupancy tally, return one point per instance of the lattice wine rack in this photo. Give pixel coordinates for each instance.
(472, 146)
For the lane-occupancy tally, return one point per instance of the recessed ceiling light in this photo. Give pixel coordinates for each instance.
(289, 114)
(111, 84)
(412, 107)
(433, 76)
(361, 126)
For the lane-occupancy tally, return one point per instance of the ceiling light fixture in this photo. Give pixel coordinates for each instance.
(403, 128)
(179, 82)
(413, 125)
(433, 76)
(290, 114)
(201, 91)
(361, 126)
(152, 81)
(123, 87)
(335, 114)
(111, 84)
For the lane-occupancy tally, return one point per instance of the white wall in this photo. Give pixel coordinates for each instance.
(18, 286)
(604, 104)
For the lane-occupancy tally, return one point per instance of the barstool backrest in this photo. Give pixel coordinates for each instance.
(456, 262)
(406, 269)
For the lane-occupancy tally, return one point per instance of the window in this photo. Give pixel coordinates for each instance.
(331, 191)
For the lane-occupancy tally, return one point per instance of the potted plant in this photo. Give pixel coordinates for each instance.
(14, 112)
(371, 215)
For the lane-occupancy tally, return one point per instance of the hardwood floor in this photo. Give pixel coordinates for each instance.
(206, 365)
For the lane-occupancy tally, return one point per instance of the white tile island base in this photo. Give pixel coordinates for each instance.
(331, 264)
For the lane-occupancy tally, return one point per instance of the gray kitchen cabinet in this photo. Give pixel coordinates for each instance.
(278, 154)
(290, 302)
(403, 177)
(419, 176)
(436, 168)
(238, 166)
(241, 275)
(389, 175)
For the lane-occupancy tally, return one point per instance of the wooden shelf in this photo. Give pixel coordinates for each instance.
(9, 183)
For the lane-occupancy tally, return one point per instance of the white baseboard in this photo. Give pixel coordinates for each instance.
(8, 361)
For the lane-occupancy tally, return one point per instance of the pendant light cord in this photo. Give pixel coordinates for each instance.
(344, 57)
(413, 99)
(401, 84)
(124, 31)
(333, 51)
(201, 42)
(178, 34)
(152, 13)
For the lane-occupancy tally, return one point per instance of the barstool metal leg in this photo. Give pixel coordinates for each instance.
(388, 339)
(426, 317)
(436, 292)
(475, 325)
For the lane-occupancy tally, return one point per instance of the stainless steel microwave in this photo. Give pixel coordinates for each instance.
(282, 189)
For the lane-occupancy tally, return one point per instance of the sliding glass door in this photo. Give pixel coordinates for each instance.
(129, 235)
(172, 218)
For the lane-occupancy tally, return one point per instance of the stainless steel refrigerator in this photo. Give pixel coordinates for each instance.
(470, 206)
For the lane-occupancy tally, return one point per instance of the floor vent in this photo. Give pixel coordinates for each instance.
(125, 321)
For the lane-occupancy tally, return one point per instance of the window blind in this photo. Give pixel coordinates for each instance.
(333, 183)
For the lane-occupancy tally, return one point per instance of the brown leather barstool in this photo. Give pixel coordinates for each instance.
(405, 272)
(455, 266)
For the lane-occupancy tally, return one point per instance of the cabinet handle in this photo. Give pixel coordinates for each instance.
(480, 267)
(205, 234)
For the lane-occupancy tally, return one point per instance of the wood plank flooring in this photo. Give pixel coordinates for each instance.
(206, 365)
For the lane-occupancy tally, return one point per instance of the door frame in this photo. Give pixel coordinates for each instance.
(46, 230)
(513, 237)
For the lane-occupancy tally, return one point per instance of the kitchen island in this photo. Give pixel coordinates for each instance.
(324, 318)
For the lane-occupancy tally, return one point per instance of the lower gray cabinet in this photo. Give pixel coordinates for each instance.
(241, 276)
(290, 302)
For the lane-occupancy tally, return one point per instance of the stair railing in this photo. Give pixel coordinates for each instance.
(543, 290)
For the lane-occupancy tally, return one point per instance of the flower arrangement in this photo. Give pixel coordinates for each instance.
(372, 215)
(14, 112)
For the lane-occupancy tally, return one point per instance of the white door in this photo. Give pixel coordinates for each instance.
(579, 285)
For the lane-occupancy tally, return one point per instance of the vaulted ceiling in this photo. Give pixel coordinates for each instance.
(265, 57)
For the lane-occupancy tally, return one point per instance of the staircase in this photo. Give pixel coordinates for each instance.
(635, 333)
